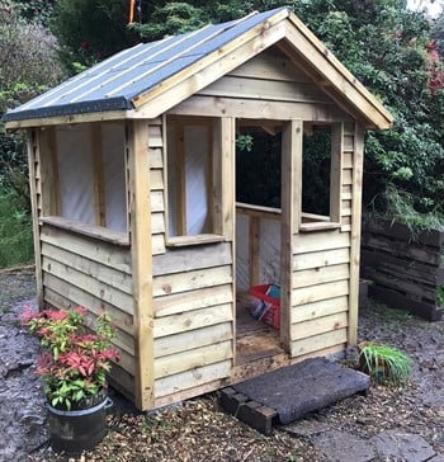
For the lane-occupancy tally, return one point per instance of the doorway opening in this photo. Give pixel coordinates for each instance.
(258, 240)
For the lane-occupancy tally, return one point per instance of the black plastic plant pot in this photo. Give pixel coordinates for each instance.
(79, 430)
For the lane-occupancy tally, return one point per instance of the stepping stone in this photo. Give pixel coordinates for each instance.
(305, 387)
(343, 447)
(392, 445)
(437, 458)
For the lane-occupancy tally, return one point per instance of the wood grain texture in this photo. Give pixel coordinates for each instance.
(139, 134)
(291, 217)
(358, 167)
(33, 166)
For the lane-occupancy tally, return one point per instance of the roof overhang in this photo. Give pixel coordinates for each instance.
(282, 27)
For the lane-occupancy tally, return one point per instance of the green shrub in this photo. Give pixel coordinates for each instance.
(16, 245)
(440, 296)
(385, 364)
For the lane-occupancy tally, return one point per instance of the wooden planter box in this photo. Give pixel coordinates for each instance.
(407, 272)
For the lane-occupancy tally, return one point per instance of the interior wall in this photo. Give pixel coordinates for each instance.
(269, 252)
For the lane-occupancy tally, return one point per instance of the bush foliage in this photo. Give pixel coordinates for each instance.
(394, 51)
(388, 47)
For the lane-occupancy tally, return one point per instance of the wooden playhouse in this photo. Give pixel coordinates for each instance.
(132, 174)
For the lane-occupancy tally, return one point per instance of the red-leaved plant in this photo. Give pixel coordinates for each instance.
(74, 362)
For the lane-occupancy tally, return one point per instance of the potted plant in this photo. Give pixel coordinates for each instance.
(73, 366)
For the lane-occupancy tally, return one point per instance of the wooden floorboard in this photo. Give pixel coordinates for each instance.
(254, 339)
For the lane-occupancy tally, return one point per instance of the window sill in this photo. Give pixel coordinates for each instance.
(318, 226)
(184, 241)
(94, 232)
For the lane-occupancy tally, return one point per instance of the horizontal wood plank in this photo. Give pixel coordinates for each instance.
(252, 109)
(155, 136)
(156, 180)
(320, 275)
(317, 242)
(192, 300)
(319, 309)
(110, 276)
(191, 280)
(192, 359)
(347, 176)
(189, 340)
(157, 223)
(321, 259)
(80, 297)
(192, 378)
(320, 292)
(318, 326)
(189, 259)
(101, 252)
(122, 339)
(158, 244)
(94, 287)
(258, 89)
(347, 161)
(318, 342)
(157, 201)
(156, 157)
(191, 320)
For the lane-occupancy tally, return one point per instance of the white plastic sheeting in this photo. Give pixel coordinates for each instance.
(76, 174)
(242, 253)
(197, 166)
(113, 158)
(269, 252)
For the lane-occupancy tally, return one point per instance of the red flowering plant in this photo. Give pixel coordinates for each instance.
(74, 362)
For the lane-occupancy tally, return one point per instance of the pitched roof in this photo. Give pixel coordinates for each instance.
(113, 83)
(124, 81)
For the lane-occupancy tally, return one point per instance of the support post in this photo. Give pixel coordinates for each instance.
(291, 215)
(225, 195)
(141, 258)
(33, 146)
(337, 150)
(355, 249)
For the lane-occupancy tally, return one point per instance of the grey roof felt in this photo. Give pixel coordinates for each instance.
(115, 82)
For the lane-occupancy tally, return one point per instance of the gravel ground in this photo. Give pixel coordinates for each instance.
(198, 430)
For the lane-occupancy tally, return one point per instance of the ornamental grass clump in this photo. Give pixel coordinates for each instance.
(385, 364)
(74, 362)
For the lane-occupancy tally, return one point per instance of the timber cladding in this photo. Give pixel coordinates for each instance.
(320, 291)
(323, 313)
(193, 298)
(407, 270)
(78, 270)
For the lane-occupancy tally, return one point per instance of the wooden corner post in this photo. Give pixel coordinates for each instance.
(291, 204)
(139, 209)
(355, 250)
(33, 165)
